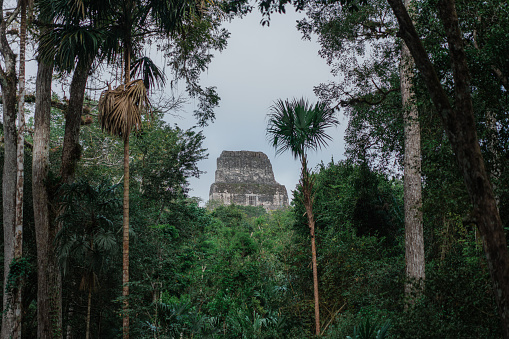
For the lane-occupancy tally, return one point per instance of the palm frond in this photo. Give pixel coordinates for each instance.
(297, 126)
(68, 45)
(120, 109)
(171, 16)
(149, 72)
(105, 241)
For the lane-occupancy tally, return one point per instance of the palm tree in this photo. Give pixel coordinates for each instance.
(80, 36)
(120, 109)
(120, 113)
(299, 127)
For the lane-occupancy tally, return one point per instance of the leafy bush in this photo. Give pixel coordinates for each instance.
(369, 330)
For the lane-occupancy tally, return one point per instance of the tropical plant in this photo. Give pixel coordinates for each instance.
(369, 330)
(178, 318)
(120, 108)
(120, 112)
(87, 238)
(299, 127)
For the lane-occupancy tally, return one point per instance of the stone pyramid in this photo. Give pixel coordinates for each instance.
(246, 178)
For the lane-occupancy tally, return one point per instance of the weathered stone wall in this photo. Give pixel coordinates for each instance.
(246, 178)
(244, 166)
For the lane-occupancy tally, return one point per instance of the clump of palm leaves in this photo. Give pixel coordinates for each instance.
(88, 217)
(120, 108)
(370, 330)
(177, 318)
(250, 324)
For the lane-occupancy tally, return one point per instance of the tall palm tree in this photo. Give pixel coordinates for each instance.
(298, 126)
(120, 113)
(120, 109)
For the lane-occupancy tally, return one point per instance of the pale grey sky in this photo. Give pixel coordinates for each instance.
(259, 66)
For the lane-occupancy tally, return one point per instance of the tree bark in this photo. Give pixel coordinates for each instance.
(8, 87)
(49, 281)
(71, 149)
(89, 308)
(125, 223)
(16, 311)
(460, 126)
(307, 191)
(70, 313)
(125, 243)
(414, 237)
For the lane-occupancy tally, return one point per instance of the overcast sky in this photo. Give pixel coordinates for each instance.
(259, 66)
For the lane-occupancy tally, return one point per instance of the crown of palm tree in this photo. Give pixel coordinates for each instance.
(120, 109)
(298, 126)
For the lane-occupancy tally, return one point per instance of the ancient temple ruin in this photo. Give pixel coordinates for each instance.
(246, 178)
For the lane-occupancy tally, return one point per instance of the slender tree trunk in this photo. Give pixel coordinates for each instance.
(414, 237)
(20, 177)
(99, 324)
(91, 281)
(8, 87)
(307, 190)
(70, 313)
(89, 307)
(315, 270)
(125, 226)
(49, 281)
(71, 149)
(125, 243)
(459, 124)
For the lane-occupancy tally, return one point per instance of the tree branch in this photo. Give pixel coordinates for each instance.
(365, 99)
(13, 16)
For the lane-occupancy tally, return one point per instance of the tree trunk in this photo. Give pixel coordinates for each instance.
(71, 149)
(496, 168)
(20, 178)
(307, 191)
(414, 237)
(315, 270)
(70, 313)
(89, 307)
(125, 224)
(49, 281)
(8, 87)
(125, 243)
(459, 124)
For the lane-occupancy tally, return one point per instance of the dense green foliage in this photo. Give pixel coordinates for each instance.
(240, 272)
(236, 271)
